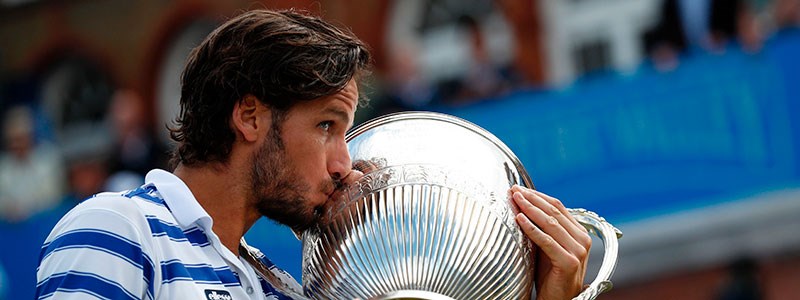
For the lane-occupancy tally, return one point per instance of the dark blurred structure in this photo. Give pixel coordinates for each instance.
(743, 282)
(77, 53)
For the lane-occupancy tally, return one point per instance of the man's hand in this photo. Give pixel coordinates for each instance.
(563, 244)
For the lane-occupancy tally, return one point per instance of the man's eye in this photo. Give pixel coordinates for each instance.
(325, 125)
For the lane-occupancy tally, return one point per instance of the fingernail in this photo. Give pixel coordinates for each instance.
(520, 217)
(520, 200)
(524, 221)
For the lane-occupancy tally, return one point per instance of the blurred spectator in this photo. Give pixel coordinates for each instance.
(704, 24)
(135, 149)
(31, 172)
(405, 83)
(86, 176)
(786, 13)
(484, 79)
(743, 283)
(87, 156)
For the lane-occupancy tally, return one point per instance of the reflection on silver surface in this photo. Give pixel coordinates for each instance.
(430, 219)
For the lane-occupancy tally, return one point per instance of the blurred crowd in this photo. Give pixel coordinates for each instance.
(406, 87)
(681, 29)
(41, 168)
(687, 26)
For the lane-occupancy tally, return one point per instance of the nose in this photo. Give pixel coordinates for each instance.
(339, 165)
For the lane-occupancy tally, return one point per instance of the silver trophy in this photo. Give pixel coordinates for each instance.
(431, 218)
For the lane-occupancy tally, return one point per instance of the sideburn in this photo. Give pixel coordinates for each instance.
(277, 191)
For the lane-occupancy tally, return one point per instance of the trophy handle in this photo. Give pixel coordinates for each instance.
(266, 274)
(610, 235)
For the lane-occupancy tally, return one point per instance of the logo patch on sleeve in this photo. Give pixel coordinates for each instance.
(218, 295)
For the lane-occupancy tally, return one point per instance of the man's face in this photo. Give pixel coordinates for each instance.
(297, 169)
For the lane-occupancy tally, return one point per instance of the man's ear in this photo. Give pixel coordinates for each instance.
(250, 118)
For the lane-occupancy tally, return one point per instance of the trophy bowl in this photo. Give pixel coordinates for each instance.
(430, 219)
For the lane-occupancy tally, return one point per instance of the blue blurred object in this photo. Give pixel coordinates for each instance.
(21, 257)
(279, 244)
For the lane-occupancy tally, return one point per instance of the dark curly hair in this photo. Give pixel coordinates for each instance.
(280, 57)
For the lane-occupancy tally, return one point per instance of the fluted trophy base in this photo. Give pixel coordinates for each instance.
(412, 295)
(426, 240)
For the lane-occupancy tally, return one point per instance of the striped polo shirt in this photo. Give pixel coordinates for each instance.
(154, 242)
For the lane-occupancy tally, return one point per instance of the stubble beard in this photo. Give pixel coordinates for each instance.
(278, 190)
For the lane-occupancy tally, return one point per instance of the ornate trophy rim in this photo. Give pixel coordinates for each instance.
(434, 116)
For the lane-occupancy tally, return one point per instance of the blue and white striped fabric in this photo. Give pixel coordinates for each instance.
(154, 242)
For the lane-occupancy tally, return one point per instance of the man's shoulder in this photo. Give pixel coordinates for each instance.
(142, 199)
(124, 216)
(134, 206)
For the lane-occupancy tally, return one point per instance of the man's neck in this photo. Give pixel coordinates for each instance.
(225, 197)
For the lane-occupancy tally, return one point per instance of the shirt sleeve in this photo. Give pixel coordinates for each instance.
(95, 253)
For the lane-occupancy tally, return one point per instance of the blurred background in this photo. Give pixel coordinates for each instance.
(675, 120)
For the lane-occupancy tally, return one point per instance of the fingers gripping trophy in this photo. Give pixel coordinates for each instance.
(434, 217)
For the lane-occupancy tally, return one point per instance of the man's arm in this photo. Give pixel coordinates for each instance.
(563, 244)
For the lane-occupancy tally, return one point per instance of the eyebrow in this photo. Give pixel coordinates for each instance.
(339, 113)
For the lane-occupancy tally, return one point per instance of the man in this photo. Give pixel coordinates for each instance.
(265, 104)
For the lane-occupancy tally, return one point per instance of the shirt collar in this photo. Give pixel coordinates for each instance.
(179, 199)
